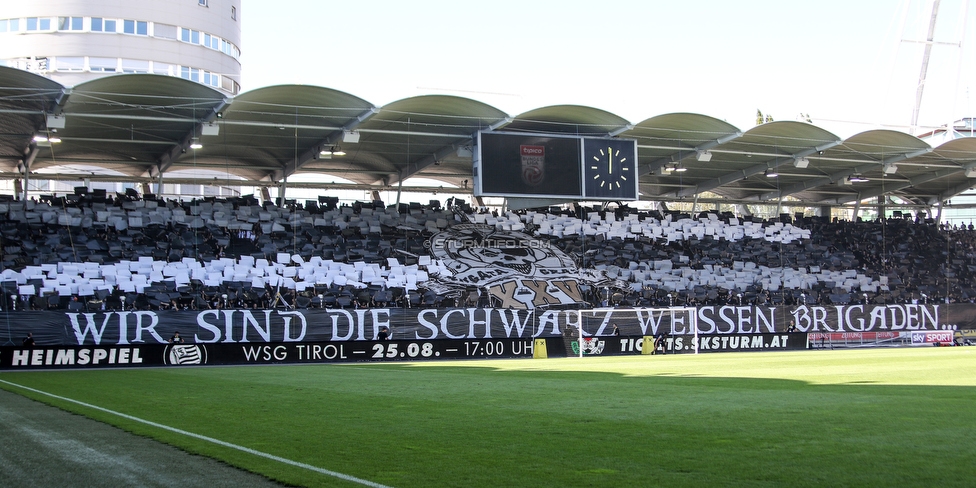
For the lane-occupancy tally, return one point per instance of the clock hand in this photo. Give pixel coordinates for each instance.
(609, 161)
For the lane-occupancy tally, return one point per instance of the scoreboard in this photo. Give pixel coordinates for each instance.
(555, 166)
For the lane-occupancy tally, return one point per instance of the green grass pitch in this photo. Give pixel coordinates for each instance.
(882, 417)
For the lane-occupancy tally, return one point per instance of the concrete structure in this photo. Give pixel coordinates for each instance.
(76, 41)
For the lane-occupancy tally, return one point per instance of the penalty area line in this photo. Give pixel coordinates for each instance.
(219, 442)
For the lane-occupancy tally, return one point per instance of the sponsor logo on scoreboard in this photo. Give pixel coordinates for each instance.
(533, 164)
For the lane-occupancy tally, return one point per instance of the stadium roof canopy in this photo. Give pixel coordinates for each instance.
(141, 126)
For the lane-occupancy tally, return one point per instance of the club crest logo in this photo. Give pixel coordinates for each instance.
(591, 346)
(183, 354)
(477, 254)
(518, 270)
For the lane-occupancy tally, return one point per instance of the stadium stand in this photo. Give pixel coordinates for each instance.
(89, 252)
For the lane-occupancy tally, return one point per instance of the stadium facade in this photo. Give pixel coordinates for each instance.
(72, 42)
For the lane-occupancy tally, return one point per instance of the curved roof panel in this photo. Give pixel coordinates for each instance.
(143, 125)
(423, 134)
(267, 129)
(737, 165)
(24, 98)
(569, 119)
(127, 122)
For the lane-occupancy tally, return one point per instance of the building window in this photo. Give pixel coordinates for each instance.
(71, 23)
(233, 13)
(99, 24)
(38, 24)
(135, 66)
(211, 79)
(229, 85)
(202, 3)
(70, 63)
(4, 25)
(164, 69)
(103, 65)
(164, 31)
(139, 28)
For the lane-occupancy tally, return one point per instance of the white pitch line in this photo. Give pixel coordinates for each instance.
(219, 442)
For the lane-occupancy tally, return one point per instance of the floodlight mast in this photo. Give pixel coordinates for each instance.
(926, 55)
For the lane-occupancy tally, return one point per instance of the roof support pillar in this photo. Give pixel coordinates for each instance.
(281, 191)
(620, 130)
(25, 167)
(399, 191)
(62, 100)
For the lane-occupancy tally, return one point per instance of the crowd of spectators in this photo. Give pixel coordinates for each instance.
(188, 251)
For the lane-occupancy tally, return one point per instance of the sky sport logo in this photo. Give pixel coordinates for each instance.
(185, 354)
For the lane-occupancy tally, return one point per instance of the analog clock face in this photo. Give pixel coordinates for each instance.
(610, 169)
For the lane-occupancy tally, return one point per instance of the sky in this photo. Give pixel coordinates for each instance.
(852, 65)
